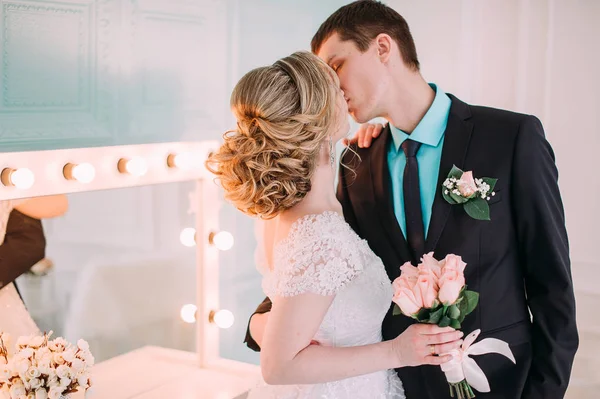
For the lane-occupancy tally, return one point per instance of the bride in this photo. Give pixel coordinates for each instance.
(14, 317)
(325, 283)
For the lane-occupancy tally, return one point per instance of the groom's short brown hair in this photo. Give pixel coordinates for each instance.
(361, 21)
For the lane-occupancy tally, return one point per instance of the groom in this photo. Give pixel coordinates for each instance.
(518, 261)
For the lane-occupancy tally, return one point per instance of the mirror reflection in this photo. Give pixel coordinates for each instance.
(111, 267)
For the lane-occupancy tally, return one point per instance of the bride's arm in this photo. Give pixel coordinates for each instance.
(288, 358)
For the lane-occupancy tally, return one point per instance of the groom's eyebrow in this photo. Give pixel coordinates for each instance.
(331, 57)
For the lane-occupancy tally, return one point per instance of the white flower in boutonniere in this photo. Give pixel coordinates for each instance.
(473, 193)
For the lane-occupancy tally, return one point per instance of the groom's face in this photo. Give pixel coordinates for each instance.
(362, 76)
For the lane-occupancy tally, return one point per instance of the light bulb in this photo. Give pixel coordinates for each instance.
(182, 161)
(222, 318)
(135, 166)
(83, 172)
(223, 240)
(188, 236)
(188, 313)
(21, 178)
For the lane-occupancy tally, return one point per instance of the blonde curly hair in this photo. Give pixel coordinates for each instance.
(284, 113)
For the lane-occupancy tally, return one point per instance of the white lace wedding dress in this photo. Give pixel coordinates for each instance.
(14, 317)
(322, 254)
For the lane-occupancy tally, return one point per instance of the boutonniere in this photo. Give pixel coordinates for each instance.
(473, 193)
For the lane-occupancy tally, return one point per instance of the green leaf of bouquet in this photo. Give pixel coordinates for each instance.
(444, 321)
(423, 315)
(396, 310)
(435, 316)
(472, 298)
(478, 208)
(453, 312)
(455, 324)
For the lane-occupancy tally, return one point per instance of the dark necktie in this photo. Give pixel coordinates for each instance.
(415, 233)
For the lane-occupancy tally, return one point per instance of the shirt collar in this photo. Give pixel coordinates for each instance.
(431, 128)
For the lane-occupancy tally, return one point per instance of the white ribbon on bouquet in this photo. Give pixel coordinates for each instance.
(462, 367)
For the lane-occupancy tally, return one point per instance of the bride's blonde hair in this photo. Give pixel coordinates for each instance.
(284, 113)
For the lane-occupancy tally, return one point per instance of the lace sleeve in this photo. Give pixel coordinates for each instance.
(321, 266)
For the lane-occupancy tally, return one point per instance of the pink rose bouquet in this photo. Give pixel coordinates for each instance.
(435, 292)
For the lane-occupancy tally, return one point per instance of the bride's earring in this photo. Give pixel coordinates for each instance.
(331, 153)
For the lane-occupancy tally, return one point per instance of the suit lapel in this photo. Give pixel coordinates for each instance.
(456, 142)
(380, 180)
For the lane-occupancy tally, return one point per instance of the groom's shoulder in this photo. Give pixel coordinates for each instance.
(486, 115)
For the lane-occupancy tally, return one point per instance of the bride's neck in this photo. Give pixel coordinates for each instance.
(321, 196)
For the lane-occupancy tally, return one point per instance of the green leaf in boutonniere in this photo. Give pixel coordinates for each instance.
(478, 208)
(472, 193)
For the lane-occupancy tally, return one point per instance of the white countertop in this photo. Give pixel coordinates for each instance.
(159, 373)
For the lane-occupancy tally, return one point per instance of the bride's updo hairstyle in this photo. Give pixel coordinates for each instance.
(284, 113)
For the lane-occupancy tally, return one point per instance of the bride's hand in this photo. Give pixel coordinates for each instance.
(423, 343)
(365, 135)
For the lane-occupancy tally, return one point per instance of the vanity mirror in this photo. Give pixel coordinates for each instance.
(132, 266)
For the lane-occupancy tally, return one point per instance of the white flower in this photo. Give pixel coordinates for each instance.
(17, 389)
(33, 372)
(87, 357)
(69, 355)
(4, 392)
(41, 394)
(25, 353)
(55, 392)
(52, 382)
(36, 341)
(78, 365)
(3, 360)
(82, 380)
(45, 362)
(83, 345)
(65, 382)
(5, 373)
(63, 371)
(58, 358)
(30, 395)
(42, 352)
(58, 345)
(21, 366)
(35, 383)
(24, 341)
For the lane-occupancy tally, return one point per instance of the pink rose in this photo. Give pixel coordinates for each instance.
(453, 262)
(409, 271)
(466, 184)
(405, 298)
(451, 283)
(427, 288)
(430, 265)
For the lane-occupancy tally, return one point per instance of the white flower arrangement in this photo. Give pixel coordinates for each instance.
(40, 368)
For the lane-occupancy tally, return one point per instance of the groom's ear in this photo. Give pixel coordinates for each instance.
(383, 45)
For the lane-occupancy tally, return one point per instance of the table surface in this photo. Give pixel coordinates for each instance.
(158, 373)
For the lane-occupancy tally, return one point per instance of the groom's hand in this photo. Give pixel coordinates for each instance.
(423, 344)
(365, 135)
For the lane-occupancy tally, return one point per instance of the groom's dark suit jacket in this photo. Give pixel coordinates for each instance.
(518, 262)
